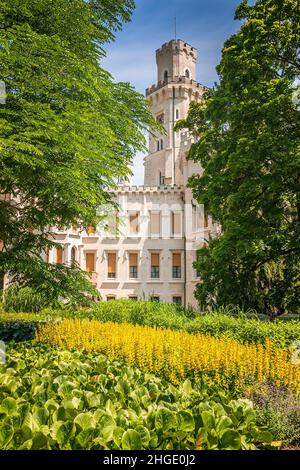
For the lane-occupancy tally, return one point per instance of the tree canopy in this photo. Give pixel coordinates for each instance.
(67, 130)
(248, 146)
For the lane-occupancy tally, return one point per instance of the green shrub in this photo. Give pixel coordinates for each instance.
(18, 330)
(22, 299)
(54, 399)
(163, 315)
(279, 411)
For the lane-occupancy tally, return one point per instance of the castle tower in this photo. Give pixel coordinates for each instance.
(169, 101)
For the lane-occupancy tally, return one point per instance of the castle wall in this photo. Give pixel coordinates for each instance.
(165, 192)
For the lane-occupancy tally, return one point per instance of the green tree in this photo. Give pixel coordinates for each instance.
(67, 129)
(248, 145)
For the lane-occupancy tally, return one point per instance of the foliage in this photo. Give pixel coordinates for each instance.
(18, 330)
(67, 130)
(248, 147)
(279, 411)
(52, 399)
(177, 355)
(219, 323)
(22, 300)
(138, 312)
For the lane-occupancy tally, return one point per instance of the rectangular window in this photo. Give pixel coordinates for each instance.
(154, 298)
(176, 266)
(176, 223)
(161, 179)
(177, 300)
(134, 223)
(197, 259)
(59, 255)
(155, 265)
(155, 223)
(205, 221)
(90, 262)
(111, 265)
(133, 265)
(133, 297)
(110, 297)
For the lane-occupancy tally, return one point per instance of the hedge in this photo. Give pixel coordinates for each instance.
(163, 315)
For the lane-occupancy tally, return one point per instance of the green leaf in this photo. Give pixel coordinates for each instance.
(264, 436)
(208, 420)
(185, 421)
(144, 435)
(65, 433)
(117, 436)
(165, 419)
(85, 438)
(9, 406)
(107, 425)
(39, 441)
(131, 440)
(41, 416)
(85, 420)
(187, 387)
(6, 433)
(230, 439)
(223, 423)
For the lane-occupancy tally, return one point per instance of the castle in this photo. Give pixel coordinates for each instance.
(146, 249)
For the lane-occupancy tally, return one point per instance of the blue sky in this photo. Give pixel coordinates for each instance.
(205, 24)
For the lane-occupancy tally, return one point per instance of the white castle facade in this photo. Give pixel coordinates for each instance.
(147, 247)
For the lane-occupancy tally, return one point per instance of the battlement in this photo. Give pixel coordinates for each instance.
(176, 58)
(173, 80)
(146, 189)
(175, 45)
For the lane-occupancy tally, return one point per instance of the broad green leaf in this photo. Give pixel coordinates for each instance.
(223, 423)
(144, 435)
(41, 416)
(117, 436)
(208, 420)
(6, 432)
(185, 421)
(85, 438)
(131, 440)
(65, 433)
(107, 425)
(187, 387)
(230, 439)
(264, 436)
(165, 419)
(39, 441)
(85, 420)
(9, 406)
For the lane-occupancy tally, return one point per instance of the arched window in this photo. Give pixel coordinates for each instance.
(73, 256)
(166, 76)
(187, 73)
(161, 144)
(177, 114)
(161, 179)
